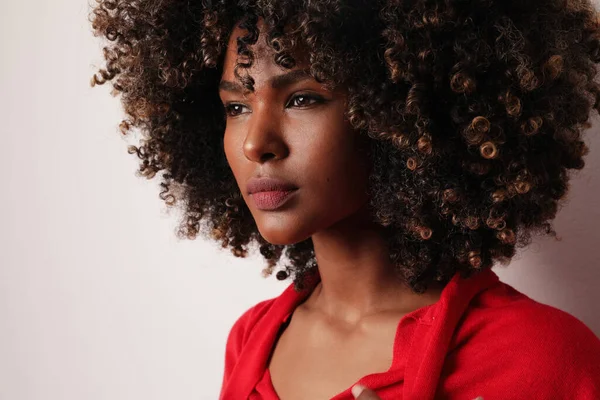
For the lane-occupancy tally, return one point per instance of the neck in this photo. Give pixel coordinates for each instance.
(357, 277)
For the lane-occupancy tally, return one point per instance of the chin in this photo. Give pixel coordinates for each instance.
(282, 236)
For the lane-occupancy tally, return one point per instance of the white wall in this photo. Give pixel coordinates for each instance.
(98, 299)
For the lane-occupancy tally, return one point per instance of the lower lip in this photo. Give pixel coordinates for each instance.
(271, 200)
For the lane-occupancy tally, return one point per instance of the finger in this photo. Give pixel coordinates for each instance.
(363, 393)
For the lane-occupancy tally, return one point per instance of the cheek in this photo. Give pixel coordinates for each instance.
(336, 165)
(234, 157)
(232, 153)
(337, 146)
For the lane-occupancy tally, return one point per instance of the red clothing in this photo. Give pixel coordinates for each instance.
(482, 338)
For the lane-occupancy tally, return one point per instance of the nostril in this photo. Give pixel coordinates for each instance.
(267, 156)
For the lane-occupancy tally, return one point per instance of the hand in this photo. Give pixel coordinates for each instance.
(363, 393)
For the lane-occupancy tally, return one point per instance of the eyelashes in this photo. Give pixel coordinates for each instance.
(316, 99)
(229, 109)
(233, 110)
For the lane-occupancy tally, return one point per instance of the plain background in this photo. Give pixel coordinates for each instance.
(98, 299)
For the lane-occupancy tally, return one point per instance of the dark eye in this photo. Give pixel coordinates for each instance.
(303, 100)
(233, 109)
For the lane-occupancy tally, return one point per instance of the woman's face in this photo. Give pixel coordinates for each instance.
(293, 129)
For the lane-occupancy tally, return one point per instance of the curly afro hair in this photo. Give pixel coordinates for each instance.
(474, 110)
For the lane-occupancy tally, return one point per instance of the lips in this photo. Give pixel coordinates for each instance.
(270, 193)
(273, 200)
(268, 184)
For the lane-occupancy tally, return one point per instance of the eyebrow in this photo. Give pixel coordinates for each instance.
(277, 82)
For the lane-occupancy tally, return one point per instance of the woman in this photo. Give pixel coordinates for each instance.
(392, 151)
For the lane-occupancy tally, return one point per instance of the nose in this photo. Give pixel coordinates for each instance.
(264, 140)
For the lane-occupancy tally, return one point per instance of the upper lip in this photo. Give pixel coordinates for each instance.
(268, 184)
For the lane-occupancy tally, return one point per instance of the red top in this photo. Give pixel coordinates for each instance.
(482, 338)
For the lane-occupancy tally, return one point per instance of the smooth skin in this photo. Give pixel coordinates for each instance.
(294, 128)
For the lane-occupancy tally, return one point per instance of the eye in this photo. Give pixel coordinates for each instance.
(303, 100)
(233, 109)
(300, 101)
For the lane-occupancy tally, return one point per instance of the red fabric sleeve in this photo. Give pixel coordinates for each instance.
(532, 351)
(238, 335)
(578, 361)
(235, 342)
